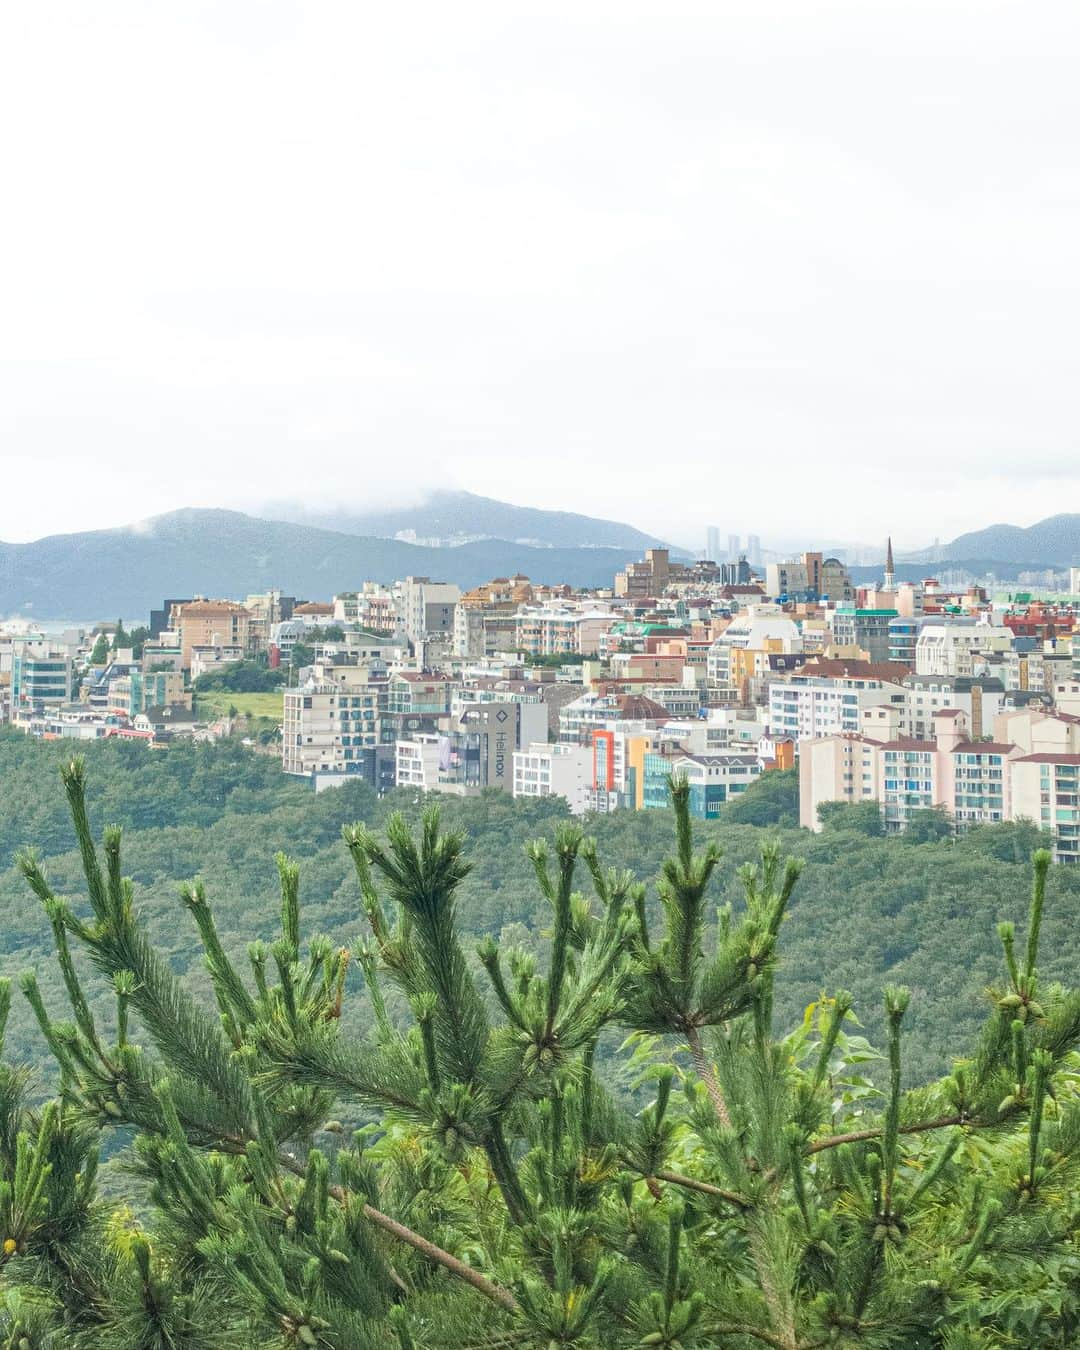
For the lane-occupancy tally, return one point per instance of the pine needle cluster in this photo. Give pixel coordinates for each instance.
(470, 1177)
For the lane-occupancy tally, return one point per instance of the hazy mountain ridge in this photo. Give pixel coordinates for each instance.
(128, 571)
(446, 514)
(1054, 541)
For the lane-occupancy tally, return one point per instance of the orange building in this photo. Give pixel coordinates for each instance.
(210, 623)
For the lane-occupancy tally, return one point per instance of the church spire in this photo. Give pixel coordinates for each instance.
(890, 571)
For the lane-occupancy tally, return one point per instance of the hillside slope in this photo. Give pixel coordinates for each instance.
(1053, 541)
(444, 514)
(867, 911)
(226, 553)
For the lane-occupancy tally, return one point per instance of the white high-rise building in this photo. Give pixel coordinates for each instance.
(426, 608)
(712, 543)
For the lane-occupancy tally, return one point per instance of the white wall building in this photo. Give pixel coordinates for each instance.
(416, 763)
(426, 608)
(958, 647)
(542, 770)
(330, 719)
(808, 705)
(762, 626)
(562, 628)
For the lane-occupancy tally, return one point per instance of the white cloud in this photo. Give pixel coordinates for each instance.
(771, 266)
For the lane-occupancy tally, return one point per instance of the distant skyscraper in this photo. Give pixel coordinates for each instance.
(733, 547)
(712, 543)
(753, 550)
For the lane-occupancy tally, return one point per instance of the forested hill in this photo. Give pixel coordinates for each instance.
(212, 552)
(867, 911)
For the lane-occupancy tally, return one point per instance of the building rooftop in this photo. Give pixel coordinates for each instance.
(891, 672)
(638, 708)
(199, 609)
(708, 760)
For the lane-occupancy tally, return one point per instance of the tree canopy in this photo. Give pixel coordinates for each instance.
(611, 1139)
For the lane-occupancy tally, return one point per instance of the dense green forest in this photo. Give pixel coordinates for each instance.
(868, 910)
(598, 1129)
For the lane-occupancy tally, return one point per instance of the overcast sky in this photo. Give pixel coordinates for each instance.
(805, 269)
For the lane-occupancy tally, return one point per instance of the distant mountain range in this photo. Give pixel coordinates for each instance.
(449, 515)
(128, 571)
(1053, 542)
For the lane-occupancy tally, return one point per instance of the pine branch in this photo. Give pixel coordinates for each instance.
(496, 1293)
(859, 1136)
(703, 1188)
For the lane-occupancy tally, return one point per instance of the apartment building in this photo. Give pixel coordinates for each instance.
(828, 697)
(865, 629)
(809, 577)
(714, 779)
(372, 607)
(1038, 730)
(135, 692)
(721, 729)
(264, 610)
(1029, 667)
(209, 623)
(839, 768)
(331, 721)
(561, 629)
(958, 647)
(417, 760)
(485, 618)
(41, 676)
(579, 718)
(542, 770)
(1046, 789)
(979, 699)
(426, 608)
(969, 779)
(481, 633)
(411, 693)
(903, 635)
(630, 667)
(97, 687)
(763, 629)
(650, 577)
(1066, 695)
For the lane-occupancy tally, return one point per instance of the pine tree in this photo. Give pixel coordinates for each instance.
(488, 1187)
